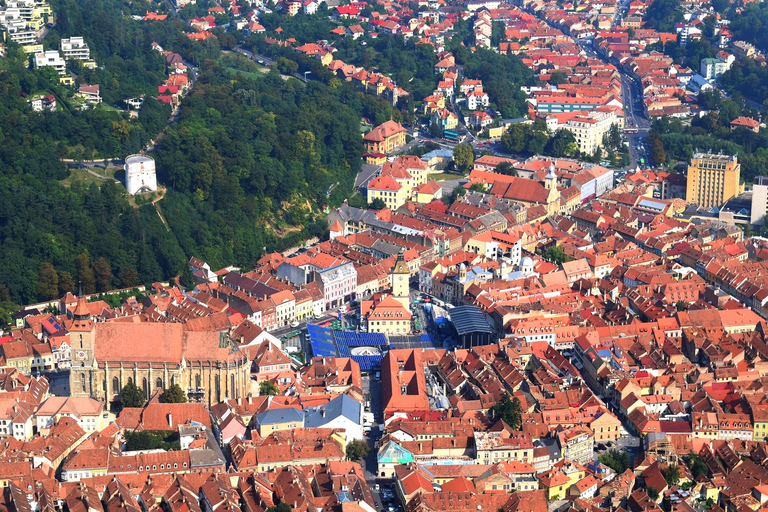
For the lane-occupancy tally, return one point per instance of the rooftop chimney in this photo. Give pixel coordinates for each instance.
(170, 420)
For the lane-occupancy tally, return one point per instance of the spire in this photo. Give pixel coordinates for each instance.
(81, 310)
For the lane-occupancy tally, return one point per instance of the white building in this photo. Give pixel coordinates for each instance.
(477, 100)
(759, 200)
(338, 284)
(88, 413)
(589, 129)
(52, 59)
(140, 174)
(75, 48)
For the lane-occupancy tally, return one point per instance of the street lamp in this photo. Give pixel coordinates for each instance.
(305, 75)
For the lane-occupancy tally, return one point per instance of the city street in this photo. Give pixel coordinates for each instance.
(372, 392)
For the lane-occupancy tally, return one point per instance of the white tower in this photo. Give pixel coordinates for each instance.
(140, 174)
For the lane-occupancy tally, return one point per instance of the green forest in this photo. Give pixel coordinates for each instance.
(745, 83)
(674, 143)
(250, 161)
(248, 164)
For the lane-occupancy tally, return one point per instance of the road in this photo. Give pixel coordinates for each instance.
(263, 59)
(634, 109)
(372, 393)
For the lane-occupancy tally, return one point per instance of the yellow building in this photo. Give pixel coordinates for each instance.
(400, 280)
(606, 427)
(388, 190)
(577, 444)
(18, 355)
(760, 423)
(375, 158)
(387, 316)
(428, 192)
(409, 171)
(385, 138)
(713, 179)
(558, 480)
(303, 308)
(275, 420)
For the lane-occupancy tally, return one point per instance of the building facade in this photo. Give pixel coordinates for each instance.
(713, 179)
(108, 355)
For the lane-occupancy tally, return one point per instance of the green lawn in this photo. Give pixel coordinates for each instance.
(247, 74)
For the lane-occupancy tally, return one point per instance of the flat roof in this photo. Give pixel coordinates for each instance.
(467, 319)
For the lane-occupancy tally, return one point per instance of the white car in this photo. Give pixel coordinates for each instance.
(295, 324)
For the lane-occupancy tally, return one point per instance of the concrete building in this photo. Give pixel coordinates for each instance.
(759, 200)
(140, 174)
(590, 129)
(52, 59)
(75, 48)
(713, 179)
(712, 68)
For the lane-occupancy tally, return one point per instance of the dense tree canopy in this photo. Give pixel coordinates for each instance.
(663, 14)
(670, 140)
(509, 410)
(248, 165)
(751, 25)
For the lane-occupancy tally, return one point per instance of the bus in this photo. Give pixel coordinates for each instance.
(451, 135)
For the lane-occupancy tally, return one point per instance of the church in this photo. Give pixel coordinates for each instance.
(108, 355)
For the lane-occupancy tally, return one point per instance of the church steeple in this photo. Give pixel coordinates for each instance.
(81, 316)
(550, 181)
(400, 277)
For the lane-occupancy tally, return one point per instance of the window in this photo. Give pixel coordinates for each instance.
(115, 385)
(159, 383)
(83, 384)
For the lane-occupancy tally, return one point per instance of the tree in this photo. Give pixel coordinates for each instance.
(47, 282)
(186, 279)
(562, 143)
(617, 461)
(509, 410)
(658, 154)
(556, 254)
(130, 277)
(132, 396)
(457, 192)
(464, 157)
(281, 507)
(663, 14)
(84, 273)
(66, 283)
(558, 78)
(652, 493)
(506, 168)
(377, 204)
(357, 449)
(672, 474)
(515, 137)
(267, 388)
(697, 465)
(174, 395)
(102, 273)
